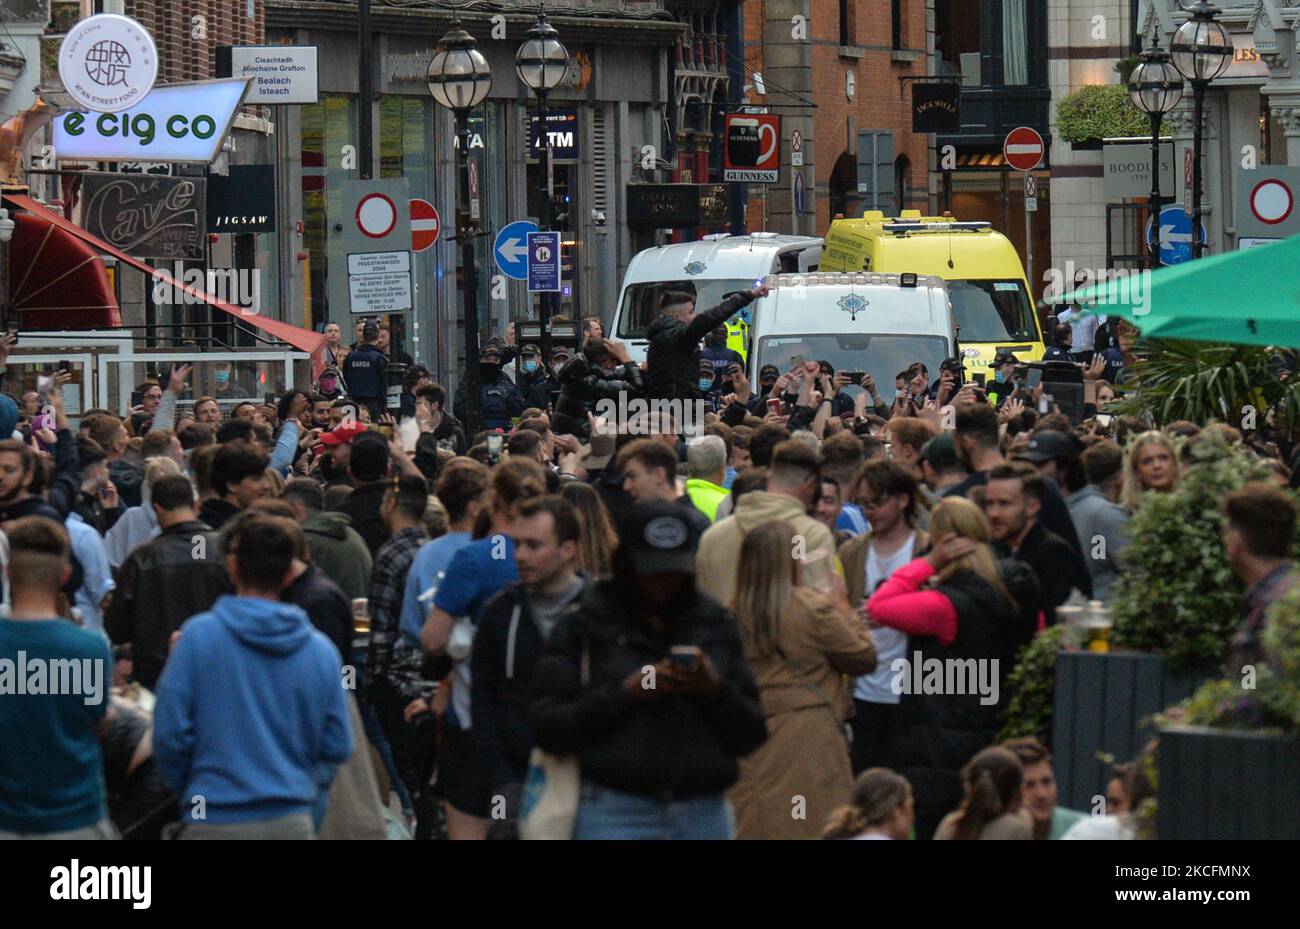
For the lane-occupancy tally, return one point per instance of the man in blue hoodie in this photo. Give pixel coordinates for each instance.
(252, 720)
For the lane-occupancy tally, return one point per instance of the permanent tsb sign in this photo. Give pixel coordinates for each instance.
(175, 122)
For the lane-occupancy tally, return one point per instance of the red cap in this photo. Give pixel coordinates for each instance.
(344, 433)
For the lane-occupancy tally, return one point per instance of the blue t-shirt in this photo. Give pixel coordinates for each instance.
(427, 571)
(51, 767)
(476, 573)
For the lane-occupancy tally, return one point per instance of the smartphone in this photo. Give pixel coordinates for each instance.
(65, 365)
(796, 361)
(685, 657)
(44, 384)
(855, 377)
(1033, 378)
(137, 398)
(495, 444)
(774, 405)
(269, 399)
(979, 377)
(1104, 420)
(12, 333)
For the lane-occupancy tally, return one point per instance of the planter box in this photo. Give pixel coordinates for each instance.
(1100, 705)
(1221, 784)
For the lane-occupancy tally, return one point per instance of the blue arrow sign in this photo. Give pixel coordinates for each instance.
(543, 262)
(1175, 235)
(511, 249)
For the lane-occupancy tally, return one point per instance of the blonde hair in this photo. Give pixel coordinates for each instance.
(877, 793)
(275, 483)
(598, 540)
(154, 470)
(766, 576)
(961, 516)
(1134, 490)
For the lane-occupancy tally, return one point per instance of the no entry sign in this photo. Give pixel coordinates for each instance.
(1023, 148)
(376, 215)
(425, 225)
(1265, 202)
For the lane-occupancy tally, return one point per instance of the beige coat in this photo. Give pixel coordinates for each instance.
(719, 552)
(796, 779)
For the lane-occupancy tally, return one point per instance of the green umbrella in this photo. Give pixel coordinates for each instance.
(1250, 297)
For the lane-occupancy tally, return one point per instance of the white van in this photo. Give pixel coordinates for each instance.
(858, 321)
(710, 268)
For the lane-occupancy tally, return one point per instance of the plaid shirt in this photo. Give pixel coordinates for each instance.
(387, 586)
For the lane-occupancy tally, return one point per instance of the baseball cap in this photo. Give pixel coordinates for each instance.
(768, 373)
(706, 367)
(344, 434)
(490, 351)
(940, 452)
(1005, 357)
(560, 352)
(1049, 445)
(530, 349)
(659, 537)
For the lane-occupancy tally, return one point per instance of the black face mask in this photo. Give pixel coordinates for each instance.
(488, 370)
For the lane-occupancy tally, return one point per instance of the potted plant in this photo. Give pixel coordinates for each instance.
(1174, 609)
(1099, 111)
(1228, 758)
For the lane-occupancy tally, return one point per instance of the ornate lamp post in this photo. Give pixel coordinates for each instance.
(1201, 50)
(1155, 87)
(541, 63)
(459, 79)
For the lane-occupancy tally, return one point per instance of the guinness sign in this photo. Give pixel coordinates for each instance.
(936, 107)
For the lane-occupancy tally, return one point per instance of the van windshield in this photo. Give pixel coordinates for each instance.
(881, 356)
(992, 311)
(641, 301)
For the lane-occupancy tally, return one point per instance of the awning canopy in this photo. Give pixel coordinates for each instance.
(57, 281)
(313, 343)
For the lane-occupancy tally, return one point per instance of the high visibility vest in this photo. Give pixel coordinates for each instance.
(738, 336)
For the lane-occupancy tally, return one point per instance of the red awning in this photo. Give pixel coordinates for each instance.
(303, 339)
(57, 281)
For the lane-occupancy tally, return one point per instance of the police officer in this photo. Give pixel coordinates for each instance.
(535, 384)
(364, 370)
(500, 400)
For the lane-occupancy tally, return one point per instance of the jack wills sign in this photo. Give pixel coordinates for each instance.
(936, 107)
(244, 201)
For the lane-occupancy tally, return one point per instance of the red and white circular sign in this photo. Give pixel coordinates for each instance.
(1272, 201)
(376, 215)
(425, 225)
(1023, 148)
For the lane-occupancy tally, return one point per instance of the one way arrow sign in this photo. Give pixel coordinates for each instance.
(511, 249)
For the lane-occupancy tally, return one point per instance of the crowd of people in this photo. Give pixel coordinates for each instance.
(335, 617)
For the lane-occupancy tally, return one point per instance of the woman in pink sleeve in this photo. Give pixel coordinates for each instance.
(967, 615)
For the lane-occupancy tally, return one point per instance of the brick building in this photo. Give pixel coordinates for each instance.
(187, 34)
(845, 58)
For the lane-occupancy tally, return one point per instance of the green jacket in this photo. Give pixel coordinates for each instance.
(706, 496)
(339, 551)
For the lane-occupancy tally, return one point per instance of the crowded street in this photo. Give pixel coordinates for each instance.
(383, 458)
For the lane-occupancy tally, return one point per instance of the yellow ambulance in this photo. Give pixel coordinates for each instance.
(991, 300)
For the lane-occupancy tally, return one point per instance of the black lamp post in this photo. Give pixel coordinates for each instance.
(1155, 87)
(1201, 49)
(459, 79)
(541, 63)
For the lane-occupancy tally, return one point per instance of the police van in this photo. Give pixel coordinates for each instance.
(986, 281)
(878, 324)
(711, 268)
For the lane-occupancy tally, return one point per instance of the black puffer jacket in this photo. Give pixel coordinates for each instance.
(939, 732)
(160, 585)
(583, 385)
(666, 746)
(673, 359)
(507, 647)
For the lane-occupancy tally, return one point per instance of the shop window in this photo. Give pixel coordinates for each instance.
(325, 128)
